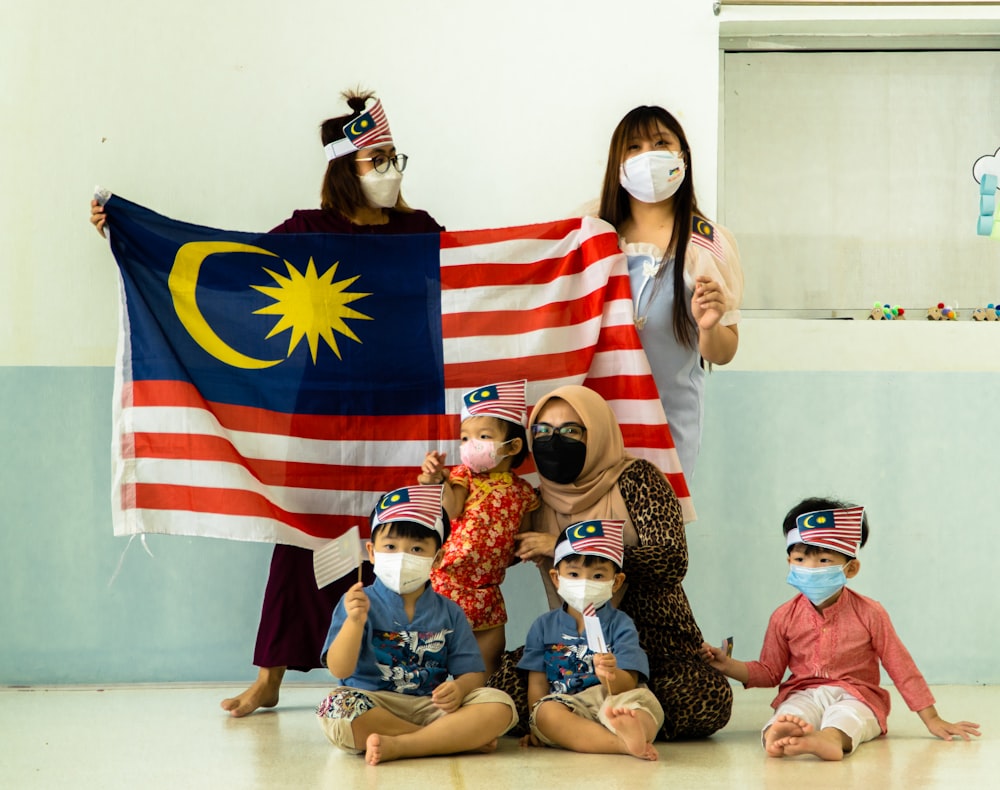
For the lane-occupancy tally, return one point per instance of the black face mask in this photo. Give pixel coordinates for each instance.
(559, 460)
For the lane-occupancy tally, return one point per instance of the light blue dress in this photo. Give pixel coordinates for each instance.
(677, 369)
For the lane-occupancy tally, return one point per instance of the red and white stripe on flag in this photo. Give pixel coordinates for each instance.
(549, 303)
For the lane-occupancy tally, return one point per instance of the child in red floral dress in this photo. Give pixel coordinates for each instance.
(487, 504)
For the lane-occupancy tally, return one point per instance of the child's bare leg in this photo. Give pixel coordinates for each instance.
(636, 729)
(263, 693)
(827, 744)
(491, 643)
(472, 728)
(560, 725)
(379, 720)
(783, 727)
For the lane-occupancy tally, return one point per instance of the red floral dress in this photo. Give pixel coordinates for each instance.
(481, 544)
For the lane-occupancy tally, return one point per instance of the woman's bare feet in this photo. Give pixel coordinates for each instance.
(785, 726)
(262, 694)
(631, 733)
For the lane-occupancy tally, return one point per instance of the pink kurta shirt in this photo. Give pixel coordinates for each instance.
(840, 646)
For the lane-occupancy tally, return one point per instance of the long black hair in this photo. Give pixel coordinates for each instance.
(643, 122)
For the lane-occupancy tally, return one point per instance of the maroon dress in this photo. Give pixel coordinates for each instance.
(295, 616)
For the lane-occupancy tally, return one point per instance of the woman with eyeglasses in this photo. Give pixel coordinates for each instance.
(585, 474)
(686, 313)
(360, 194)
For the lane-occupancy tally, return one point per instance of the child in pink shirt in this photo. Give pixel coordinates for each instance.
(832, 639)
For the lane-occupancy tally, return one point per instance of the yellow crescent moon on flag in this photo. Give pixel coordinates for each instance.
(806, 520)
(576, 533)
(183, 282)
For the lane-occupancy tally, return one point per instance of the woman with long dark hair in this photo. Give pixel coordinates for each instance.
(684, 313)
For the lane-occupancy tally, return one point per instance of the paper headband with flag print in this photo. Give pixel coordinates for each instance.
(599, 538)
(368, 130)
(505, 401)
(420, 504)
(836, 530)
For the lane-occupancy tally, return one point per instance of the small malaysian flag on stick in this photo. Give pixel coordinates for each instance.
(595, 634)
(338, 557)
(703, 234)
(592, 626)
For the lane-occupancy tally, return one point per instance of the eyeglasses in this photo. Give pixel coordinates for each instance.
(381, 163)
(543, 432)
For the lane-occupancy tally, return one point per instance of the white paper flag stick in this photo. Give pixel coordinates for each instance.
(592, 626)
(337, 558)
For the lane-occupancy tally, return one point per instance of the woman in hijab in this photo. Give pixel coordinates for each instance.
(586, 474)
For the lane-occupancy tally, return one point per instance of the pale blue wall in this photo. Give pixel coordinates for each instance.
(917, 449)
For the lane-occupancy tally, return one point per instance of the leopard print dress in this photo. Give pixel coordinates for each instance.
(697, 701)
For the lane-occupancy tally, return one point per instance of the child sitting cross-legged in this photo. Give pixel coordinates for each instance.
(411, 671)
(832, 639)
(581, 699)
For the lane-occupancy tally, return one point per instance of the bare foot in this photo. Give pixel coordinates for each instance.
(380, 749)
(487, 748)
(826, 744)
(530, 741)
(262, 694)
(650, 754)
(785, 726)
(631, 733)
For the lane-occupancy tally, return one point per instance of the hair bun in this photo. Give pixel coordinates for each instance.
(357, 99)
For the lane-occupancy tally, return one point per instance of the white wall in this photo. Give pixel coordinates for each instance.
(208, 112)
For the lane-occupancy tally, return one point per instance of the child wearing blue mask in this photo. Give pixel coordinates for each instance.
(412, 674)
(832, 639)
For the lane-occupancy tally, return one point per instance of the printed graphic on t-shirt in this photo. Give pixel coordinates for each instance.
(415, 662)
(569, 668)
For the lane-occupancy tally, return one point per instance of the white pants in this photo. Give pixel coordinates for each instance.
(831, 706)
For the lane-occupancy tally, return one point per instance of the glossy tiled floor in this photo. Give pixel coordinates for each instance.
(177, 737)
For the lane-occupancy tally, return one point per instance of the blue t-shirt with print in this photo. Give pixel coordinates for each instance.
(409, 657)
(554, 647)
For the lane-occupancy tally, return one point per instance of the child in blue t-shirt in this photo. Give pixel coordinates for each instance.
(580, 699)
(411, 670)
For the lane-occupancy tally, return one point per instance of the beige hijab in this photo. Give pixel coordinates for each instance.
(594, 494)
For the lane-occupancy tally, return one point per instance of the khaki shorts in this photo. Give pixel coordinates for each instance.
(591, 704)
(344, 704)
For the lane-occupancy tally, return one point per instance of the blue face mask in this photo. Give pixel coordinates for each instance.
(817, 584)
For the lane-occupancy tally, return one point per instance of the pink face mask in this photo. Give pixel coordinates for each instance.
(480, 456)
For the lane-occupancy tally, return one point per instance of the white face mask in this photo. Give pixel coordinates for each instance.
(652, 176)
(402, 572)
(579, 592)
(381, 189)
